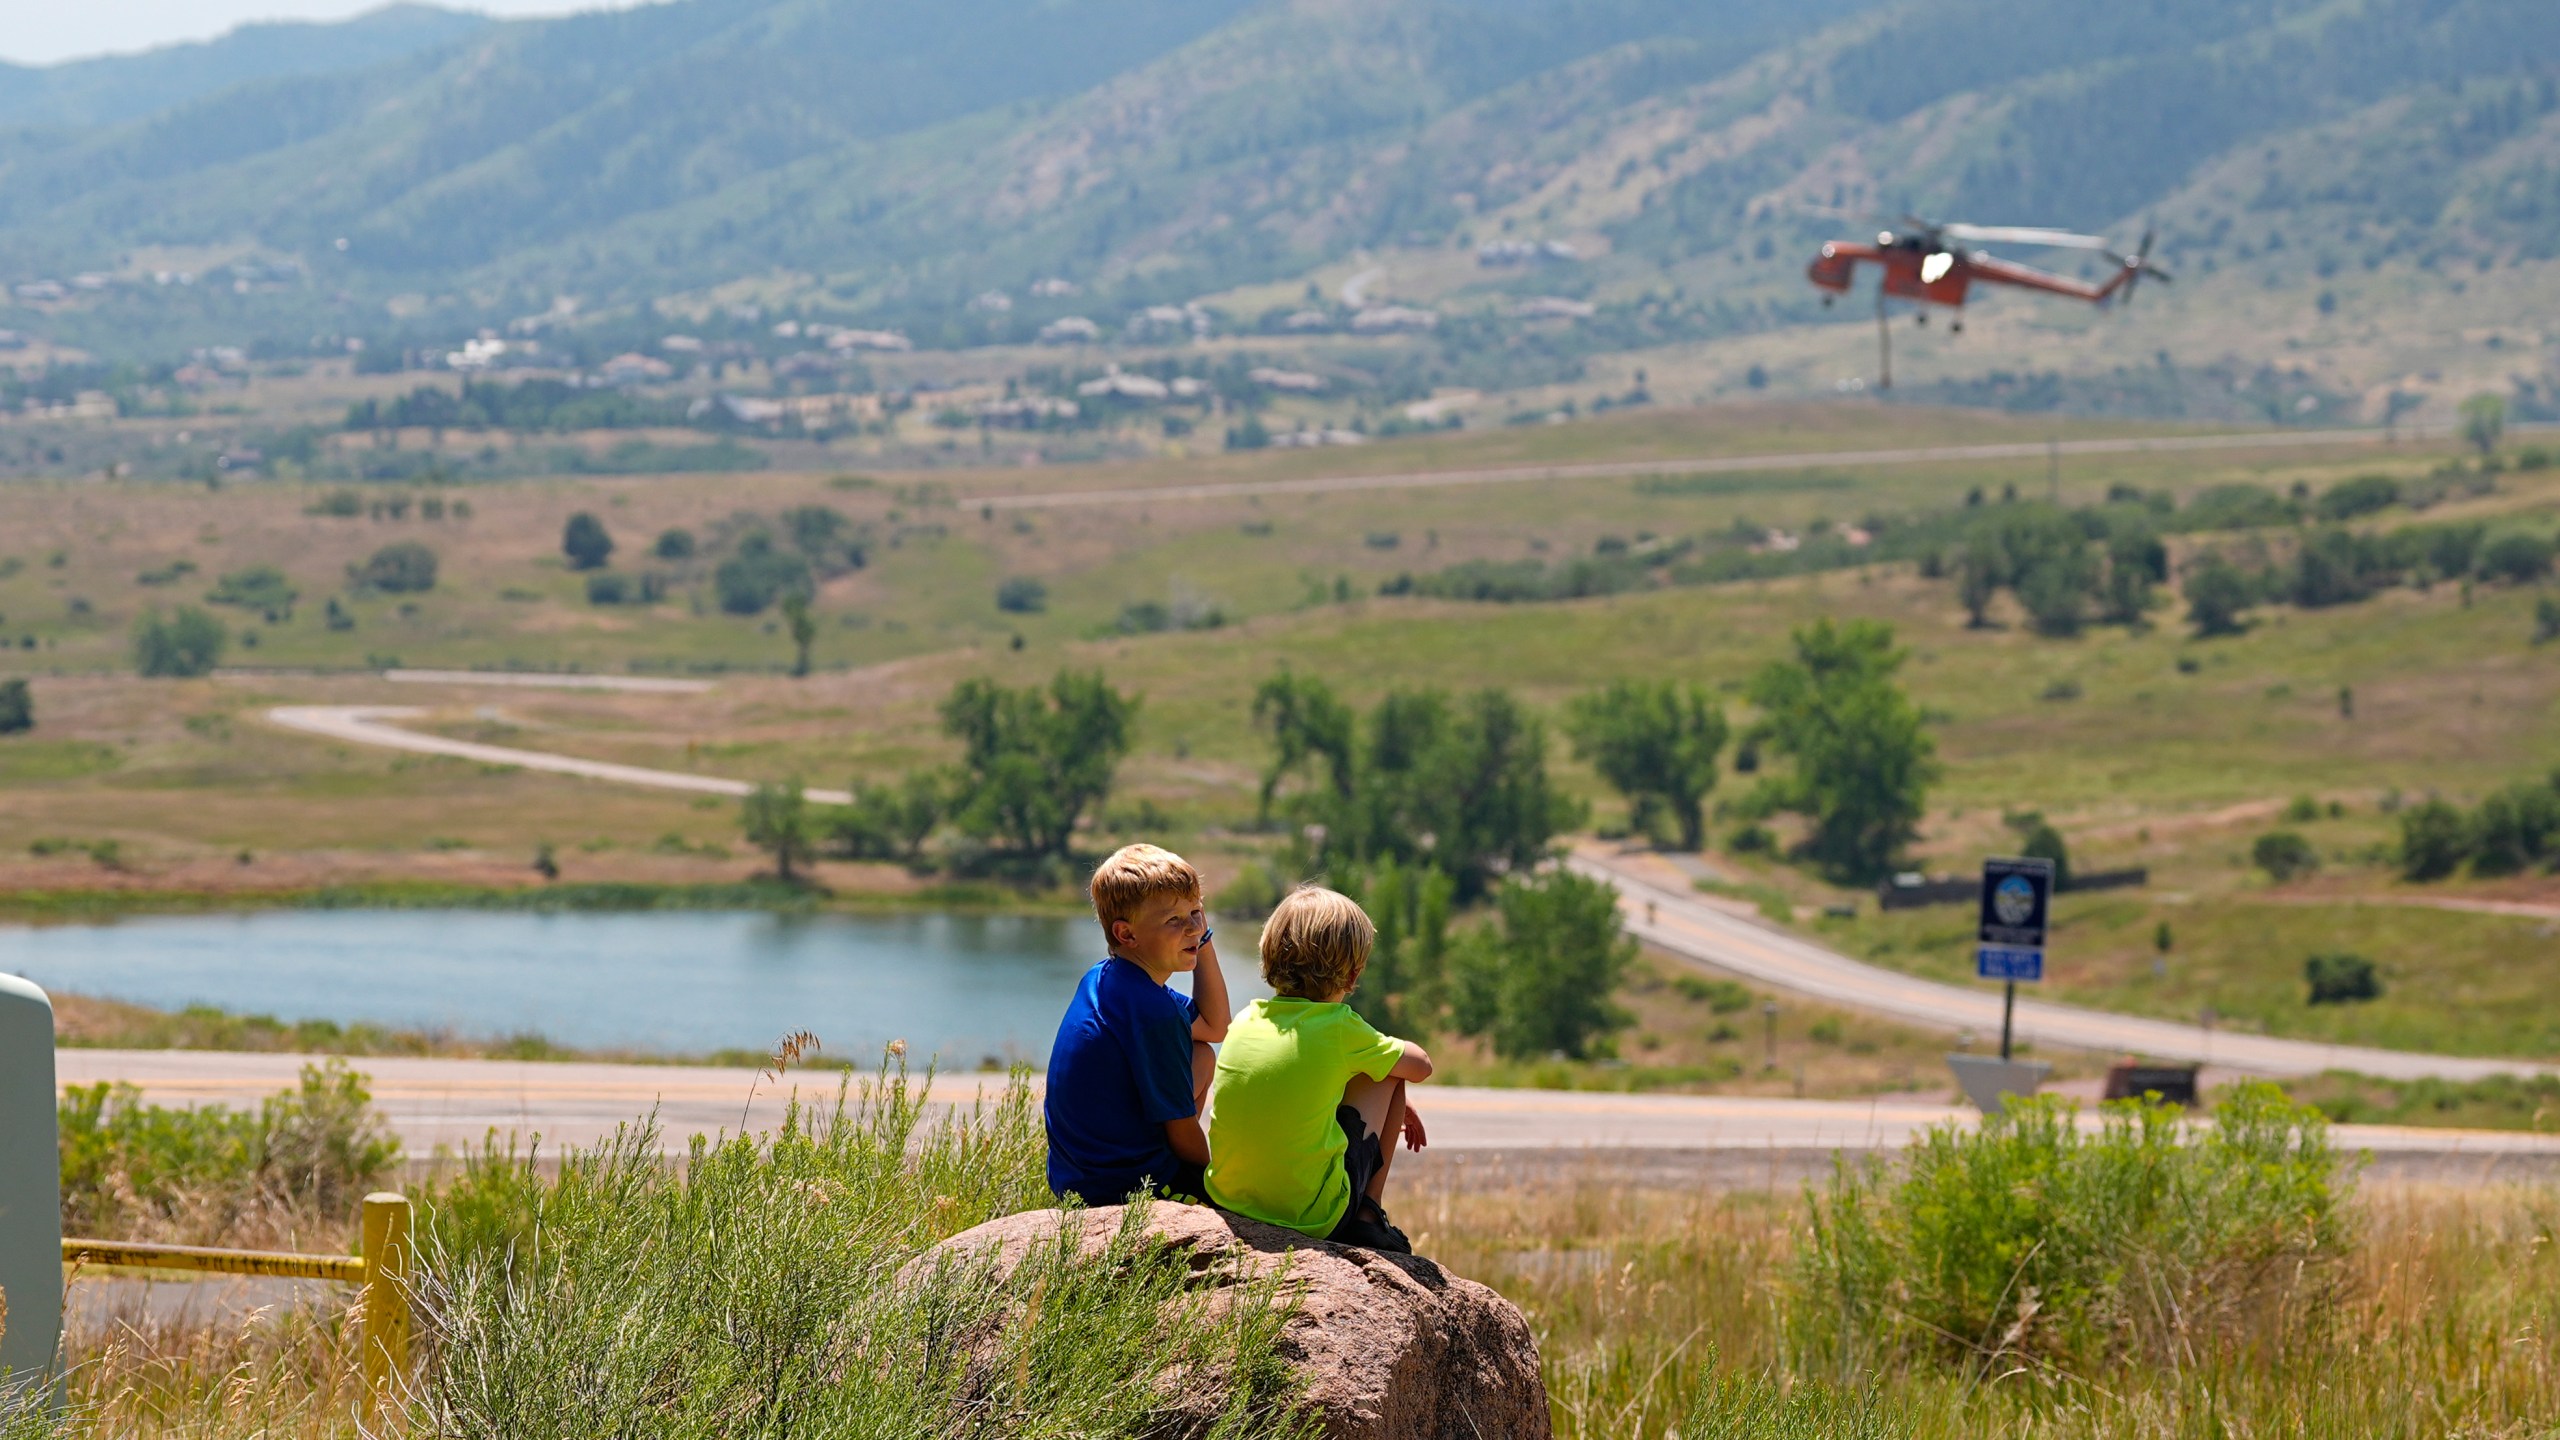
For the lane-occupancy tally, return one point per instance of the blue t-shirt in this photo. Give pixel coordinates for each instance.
(1120, 1070)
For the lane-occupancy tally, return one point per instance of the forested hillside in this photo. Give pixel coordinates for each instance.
(891, 160)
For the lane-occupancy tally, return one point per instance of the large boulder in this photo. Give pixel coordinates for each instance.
(1390, 1347)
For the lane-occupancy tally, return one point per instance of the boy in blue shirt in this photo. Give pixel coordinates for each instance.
(1130, 1070)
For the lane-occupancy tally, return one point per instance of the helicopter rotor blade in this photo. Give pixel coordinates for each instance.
(2023, 235)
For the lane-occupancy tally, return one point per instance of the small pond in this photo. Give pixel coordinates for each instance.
(963, 987)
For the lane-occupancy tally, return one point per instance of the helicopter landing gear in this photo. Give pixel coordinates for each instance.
(1921, 319)
(1955, 327)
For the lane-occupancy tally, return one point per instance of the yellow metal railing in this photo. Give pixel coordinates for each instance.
(381, 1268)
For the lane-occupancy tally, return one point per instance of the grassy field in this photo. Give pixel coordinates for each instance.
(2145, 746)
(2324, 1309)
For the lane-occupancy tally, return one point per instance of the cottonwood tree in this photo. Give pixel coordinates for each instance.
(1403, 989)
(1543, 982)
(180, 645)
(803, 629)
(777, 821)
(1657, 745)
(1459, 784)
(2217, 593)
(1860, 760)
(585, 542)
(17, 707)
(2484, 421)
(1034, 760)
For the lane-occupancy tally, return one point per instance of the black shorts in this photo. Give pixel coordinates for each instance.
(1364, 1221)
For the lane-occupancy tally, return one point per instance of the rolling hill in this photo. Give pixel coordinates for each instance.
(888, 161)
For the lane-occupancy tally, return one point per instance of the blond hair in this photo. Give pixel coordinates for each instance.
(1316, 943)
(1134, 875)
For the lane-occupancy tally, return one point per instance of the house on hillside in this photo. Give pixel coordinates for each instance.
(633, 369)
(1073, 330)
(1388, 319)
(1299, 381)
(1119, 384)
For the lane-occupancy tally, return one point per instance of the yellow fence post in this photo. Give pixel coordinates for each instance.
(385, 1303)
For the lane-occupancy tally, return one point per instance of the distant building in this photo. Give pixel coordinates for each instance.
(478, 354)
(1554, 307)
(1310, 439)
(750, 410)
(1054, 288)
(1308, 320)
(41, 290)
(1297, 380)
(1384, 319)
(868, 340)
(1121, 385)
(680, 345)
(1073, 330)
(993, 302)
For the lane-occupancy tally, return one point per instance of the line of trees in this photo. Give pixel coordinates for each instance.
(1035, 761)
(2511, 830)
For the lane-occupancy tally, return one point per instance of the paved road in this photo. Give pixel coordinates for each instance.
(371, 725)
(1662, 908)
(456, 1103)
(1699, 465)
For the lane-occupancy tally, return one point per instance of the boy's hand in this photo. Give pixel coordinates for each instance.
(1414, 1138)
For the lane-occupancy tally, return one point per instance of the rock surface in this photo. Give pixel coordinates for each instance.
(1391, 1347)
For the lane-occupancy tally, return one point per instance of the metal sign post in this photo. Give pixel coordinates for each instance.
(2017, 903)
(30, 1189)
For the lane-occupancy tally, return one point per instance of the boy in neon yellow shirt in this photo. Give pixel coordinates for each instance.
(1309, 1097)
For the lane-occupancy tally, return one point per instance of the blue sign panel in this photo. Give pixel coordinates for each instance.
(2008, 962)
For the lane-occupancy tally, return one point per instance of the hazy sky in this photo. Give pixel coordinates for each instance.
(39, 32)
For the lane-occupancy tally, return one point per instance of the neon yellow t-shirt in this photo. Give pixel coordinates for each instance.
(1275, 1149)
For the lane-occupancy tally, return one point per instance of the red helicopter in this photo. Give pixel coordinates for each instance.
(1932, 264)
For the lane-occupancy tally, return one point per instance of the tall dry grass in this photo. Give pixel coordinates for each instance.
(1660, 1311)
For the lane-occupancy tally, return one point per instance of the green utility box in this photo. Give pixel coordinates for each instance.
(30, 1186)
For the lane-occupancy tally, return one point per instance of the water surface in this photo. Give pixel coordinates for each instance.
(964, 987)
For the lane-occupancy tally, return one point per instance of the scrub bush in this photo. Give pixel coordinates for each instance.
(771, 1285)
(2032, 1242)
(136, 1169)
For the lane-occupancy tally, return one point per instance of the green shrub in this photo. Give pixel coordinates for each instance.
(184, 644)
(17, 707)
(752, 579)
(263, 588)
(2362, 495)
(402, 569)
(2515, 827)
(2283, 854)
(676, 544)
(586, 542)
(1022, 595)
(2519, 559)
(2434, 840)
(1723, 997)
(2031, 1241)
(771, 1285)
(2341, 979)
(127, 1164)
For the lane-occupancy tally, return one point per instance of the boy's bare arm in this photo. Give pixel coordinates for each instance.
(1188, 1140)
(1414, 1064)
(1209, 988)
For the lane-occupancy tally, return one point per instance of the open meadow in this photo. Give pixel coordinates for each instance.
(2142, 744)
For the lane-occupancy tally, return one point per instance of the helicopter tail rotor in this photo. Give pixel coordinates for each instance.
(2139, 265)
